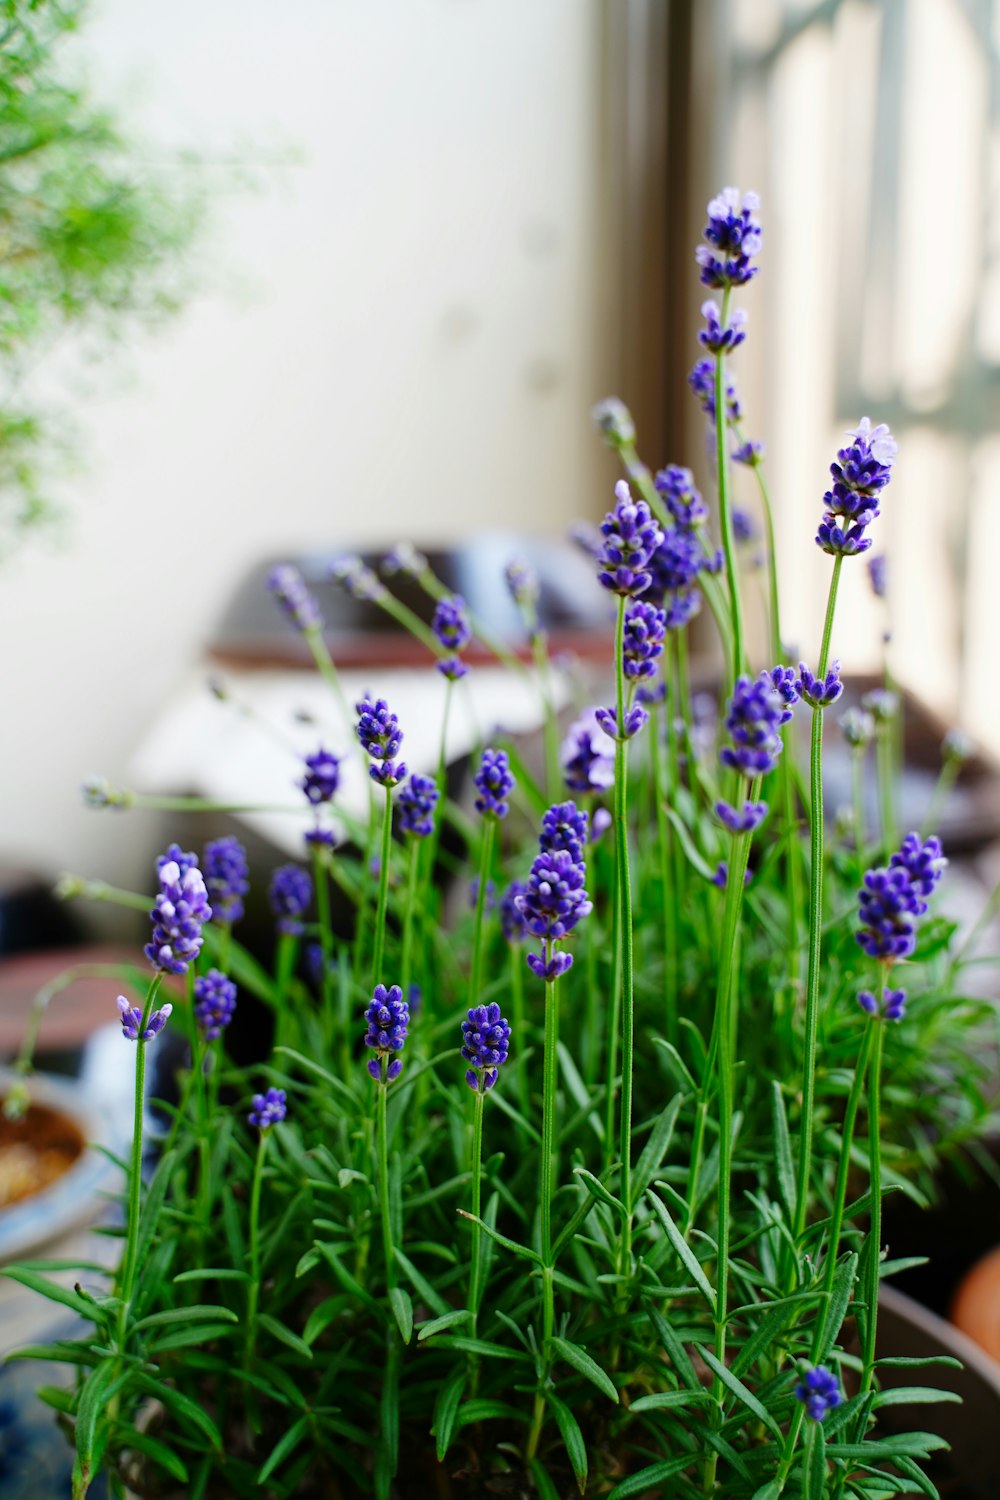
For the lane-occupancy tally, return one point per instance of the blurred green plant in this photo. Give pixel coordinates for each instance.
(92, 238)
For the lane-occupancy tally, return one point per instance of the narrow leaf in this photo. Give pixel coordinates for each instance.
(522, 1250)
(639, 1484)
(284, 1446)
(913, 1395)
(662, 1400)
(655, 1149)
(597, 1190)
(740, 1391)
(284, 1335)
(582, 1362)
(782, 1149)
(684, 1251)
(402, 1308)
(437, 1325)
(446, 1409)
(571, 1436)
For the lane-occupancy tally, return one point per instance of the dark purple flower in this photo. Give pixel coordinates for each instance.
(380, 735)
(819, 1392)
(267, 1109)
(819, 692)
(319, 838)
(511, 916)
(214, 1003)
(893, 1007)
(757, 710)
(860, 473)
(674, 569)
(564, 826)
(451, 623)
(131, 1020)
(226, 873)
(877, 570)
(749, 453)
(486, 1041)
(290, 893)
(587, 764)
(388, 1017)
(494, 783)
(614, 422)
(322, 776)
(888, 908)
(358, 580)
(702, 382)
(180, 911)
(522, 581)
(554, 902)
(645, 629)
(924, 862)
(636, 718)
(840, 541)
(744, 529)
(415, 806)
(288, 586)
(719, 340)
(741, 820)
(404, 558)
(732, 235)
(721, 876)
(631, 536)
(676, 488)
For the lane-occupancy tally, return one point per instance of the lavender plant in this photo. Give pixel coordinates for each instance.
(643, 1259)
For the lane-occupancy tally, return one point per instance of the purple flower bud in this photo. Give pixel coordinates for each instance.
(380, 735)
(553, 903)
(587, 764)
(131, 1020)
(631, 536)
(816, 691)
(404, 558)
(214, 1003)
(452, 667)
(702, 383)
(357, 580)
(732, 234)
(388, 1017)
(288, 586)
(877, 571)
(676, 488)
(749, 453)
(494, 783)
(757, 710)
(957, 746)
(860, 472)
(268, 1109)
(741, 820)
(882, 704)
(322, 776)
(721, 876)
(644, 632)
(614, 422)
(226, 878)
(924, 863)
(719, 340)
(486, 1041)
(290, 893)
(415, 806)
(891, 900)
(893, 1007)
(451, 624)
(522, 581)
(179, 913)
(564, 827)
(819, 1392)
(512, 922)
(858, 727)
(635, 719)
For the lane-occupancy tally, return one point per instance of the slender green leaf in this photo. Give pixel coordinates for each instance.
(814, 1464)
(652, 1154)
(684, 1251)
(284, 1335)
(446, 1409)
(679, 1356)
(199, 1313)
(639, 1484)
(201, 1333)
(913, 1395)
(585, 1365)
(543, 1484)
(284, 1446)
(480, 1346)
(912, 1470)
(91, 1407)
(421, 1285)
(402, 1310)
(55, 1293)
(770, 1491)
(438, 1325)
(840, 1299)
(181, 1406)
(783, 1149)
(579, 1091)
(740, 1391)
(916, 1362)
(158, 1451)
(569, 1429)
(215, 1273)
(597, 1190)
(913, 1444)
(484, 1410)
(524, 1251)
(677, 1063)
(662, 1400)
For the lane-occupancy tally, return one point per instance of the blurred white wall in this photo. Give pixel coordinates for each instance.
(402, 337)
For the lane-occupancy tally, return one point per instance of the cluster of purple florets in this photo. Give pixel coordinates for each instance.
(214, 1003)
(645, 627)
(702, 383)
(289, 894)
(180, 911)
(631, 535)
(674, 569)
(388, 1018)
(485, 1044)
(587, 763)
(757, 710)
(555, 898)
(415, 806)
(741, 819)
(322, 776)
(676, 488)
(357, 579)
(819, 692)
(819, 1391)
(227, 878)
(288, 586)
(860, 473)
(267, 1109)
(892, 898)
(494, 784)
(380, 736)
(511, 916)
(453, 633)
(719, 339)
(131, 1019)
(732, 237)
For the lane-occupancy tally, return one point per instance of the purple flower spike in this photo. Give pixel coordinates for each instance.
(290, 894)
(819, 692)
(357, 580)
(553, 903)
(486, 1041)
(613, 420)
(732, 234)
(522, 581)
(676, 488)
(415, 806)
(877, 571)
(888, 910)
(645, 629)
(404, 558)
(819, 1391)
(924, 863)
(564, 826)
(674, 569)
(860, 473)
(131, 1020)
(380, 735)
(322, 776)
(267, 1109)
(631, 536)
(719, 340)
(749, 453)
(451, 624)
(893, 1007)
(494, 783)
(512, 922)
(289, 589)
(388, 1018)
(702, 382)
(587, 764)
(179, 913)
(214, 1003)
(741, 820)
(757, 710)
(226, 873)
(635, 719)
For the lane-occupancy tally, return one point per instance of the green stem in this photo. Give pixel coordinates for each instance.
(725, 508)
(844, 1162)
(412, 871)
(135, 1167)
(550, 725)
(942, 790)
(858, 799)
(382, 1150)
(320, 879)
(875, 1221)
(517, 1014)
(670, 886)
(548, 1187)
(485, 865)
(885, 775)
(816, 857)
(324, 665)
(383, 890)
(623, 883)
(475, 1290)
(253, 1291)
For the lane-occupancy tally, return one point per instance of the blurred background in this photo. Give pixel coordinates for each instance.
(435, 232)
